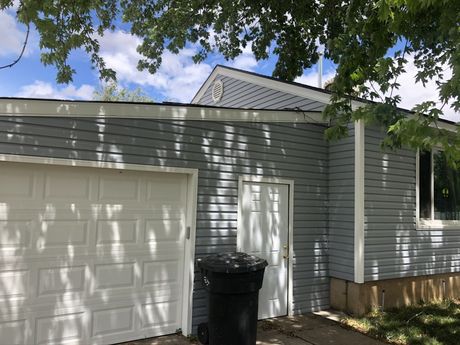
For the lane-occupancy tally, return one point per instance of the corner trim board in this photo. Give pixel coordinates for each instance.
(359, 202)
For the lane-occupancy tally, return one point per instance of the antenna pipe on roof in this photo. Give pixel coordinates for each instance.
(320, 70)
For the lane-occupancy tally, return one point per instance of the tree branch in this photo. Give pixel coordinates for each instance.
(396, 79)
(22, 51)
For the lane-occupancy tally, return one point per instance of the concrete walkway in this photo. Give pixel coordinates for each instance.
(298, 330)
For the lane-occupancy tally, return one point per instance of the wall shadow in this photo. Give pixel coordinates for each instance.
(221, 151)
(394, 247)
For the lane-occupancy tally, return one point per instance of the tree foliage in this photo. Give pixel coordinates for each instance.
(358, 35)
(111, 92)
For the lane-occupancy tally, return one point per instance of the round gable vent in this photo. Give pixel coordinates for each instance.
(217, 91)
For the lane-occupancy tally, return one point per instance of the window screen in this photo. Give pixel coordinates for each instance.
(446, 189)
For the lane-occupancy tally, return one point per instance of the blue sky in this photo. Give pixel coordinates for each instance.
(178, 78)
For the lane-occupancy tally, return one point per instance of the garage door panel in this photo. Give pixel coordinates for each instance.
(88, 279)
(120, 231)
(17, 184)
(62, 233)
(67, 186)
(14, 283)
(16, 233)
(116, 275)
(15, 331)
(97, 322)
(61, 280)
(44, 283)
(82, 237)
(155, 250)
(160, 273)
(163, 230)
(160, 314)
(88, 255)
(161, 293)
(116, 189)
(165, 193)
(60, 329)
(112, 321)
(22, 209)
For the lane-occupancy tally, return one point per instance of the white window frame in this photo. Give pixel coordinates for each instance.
(430, 224)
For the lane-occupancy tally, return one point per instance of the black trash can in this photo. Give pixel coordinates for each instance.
(233, 281)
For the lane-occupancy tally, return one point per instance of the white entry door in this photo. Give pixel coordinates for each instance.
(263, 231)
(88, 255)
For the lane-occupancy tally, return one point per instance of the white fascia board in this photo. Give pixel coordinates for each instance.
(56, 108)
(359, 202)
(205, 86)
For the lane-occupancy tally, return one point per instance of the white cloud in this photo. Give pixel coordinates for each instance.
(178, 77)
(411, 93)
(311, 77)
(414, 93)
(42, 89)
(15, 5)
(12, 35)
(246, 61)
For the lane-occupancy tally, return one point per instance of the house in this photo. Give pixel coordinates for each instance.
(106, 206)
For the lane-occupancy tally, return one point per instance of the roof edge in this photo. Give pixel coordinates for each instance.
(201, 91)
(31, 107)
(253, 77)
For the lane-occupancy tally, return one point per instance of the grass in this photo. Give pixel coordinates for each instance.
(424, 324)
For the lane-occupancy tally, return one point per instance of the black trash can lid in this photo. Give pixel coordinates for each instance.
(234, 262)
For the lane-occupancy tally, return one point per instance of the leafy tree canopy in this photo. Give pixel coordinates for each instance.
(113, 93)
(358, 35)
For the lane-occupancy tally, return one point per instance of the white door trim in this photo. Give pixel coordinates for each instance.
(274, 180)
(192, 186)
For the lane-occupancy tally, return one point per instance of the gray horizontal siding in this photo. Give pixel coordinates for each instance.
(242, 94)
(393, 246)
(221, 151)
(341, 207)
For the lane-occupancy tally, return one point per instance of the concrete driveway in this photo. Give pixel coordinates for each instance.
(307, 329)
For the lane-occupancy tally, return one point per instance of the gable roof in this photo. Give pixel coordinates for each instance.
(294, 88)
(314, 93)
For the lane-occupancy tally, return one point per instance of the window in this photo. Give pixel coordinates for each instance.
(438, 192)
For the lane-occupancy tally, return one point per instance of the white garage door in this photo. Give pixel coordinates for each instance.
(89, 255)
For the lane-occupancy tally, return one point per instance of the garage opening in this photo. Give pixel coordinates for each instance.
(93, 255)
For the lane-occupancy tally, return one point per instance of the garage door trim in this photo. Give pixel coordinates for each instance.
(192, 189)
